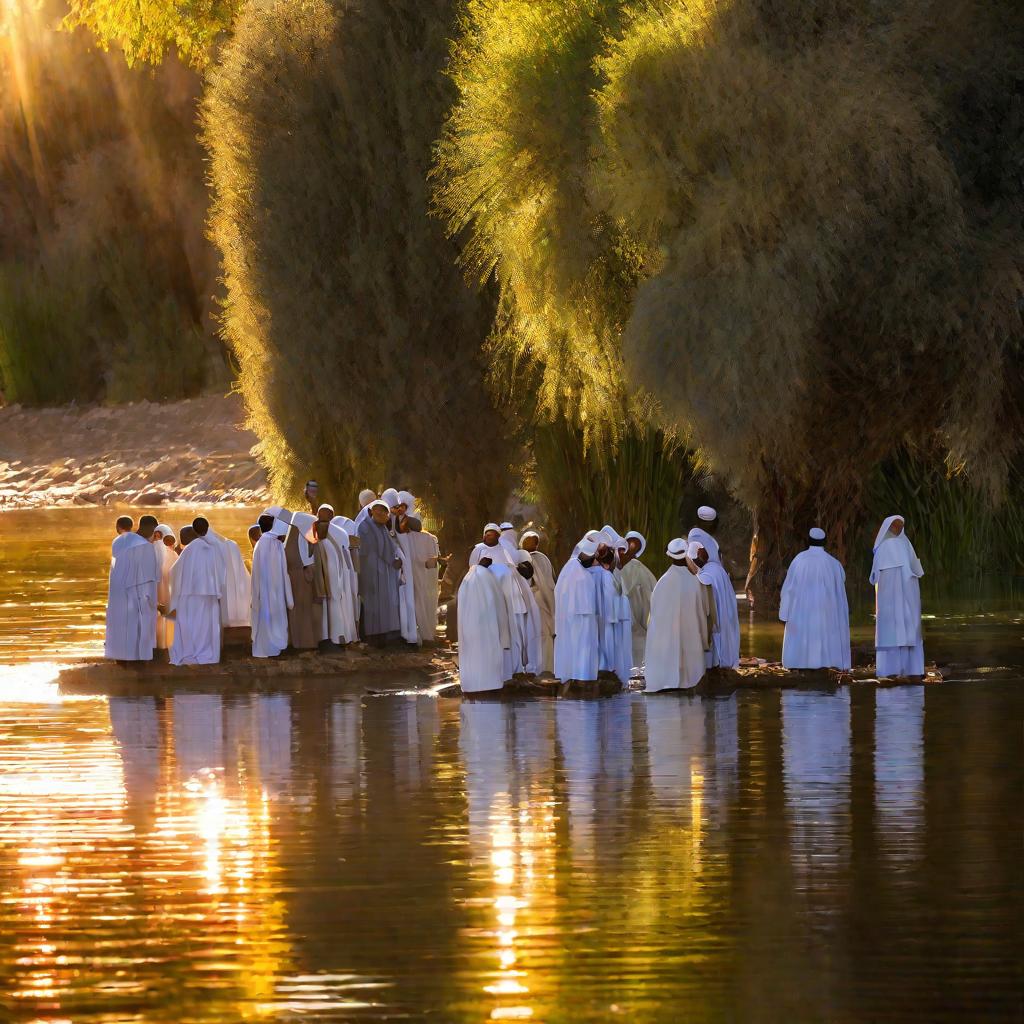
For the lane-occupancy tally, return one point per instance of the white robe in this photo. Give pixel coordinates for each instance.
(614, 639)
(499, 553)
(164, 625)
(339, 532)
(336, 624)
(638, 583)
(484, 633)
(576, 623)
(238, 585)
(677, 633)
(406, 591)
(543, 584)
(271, 598)
(895, 571)
(131, 599)
(423, 549)
(199, 603)
(816, 613)
(524, 621)
(725, 649)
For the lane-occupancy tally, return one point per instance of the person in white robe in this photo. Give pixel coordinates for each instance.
(543, 586)
(677, 633)
(623, 627)
(338, 532)
(406, 582)
(238, 583)
(135, 571)
(198, 600)
(366, 499)
(577, 653)
(485, 636)
(425, 557)
(507, 539)
(725, 650)
(330, 585)
(490, 547)
(895, 572)
(815, 610)
(638, 583)
(530, 625)
(271, 591)
(517, 609)
(168, 556)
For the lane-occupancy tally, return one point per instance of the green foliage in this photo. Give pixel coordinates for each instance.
(641, 485)
(358, 341)
(797, 226)
(146, 32)
(102, 202)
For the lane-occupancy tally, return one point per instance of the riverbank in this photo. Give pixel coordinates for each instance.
(194, 452)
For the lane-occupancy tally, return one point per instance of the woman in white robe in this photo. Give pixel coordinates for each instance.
(677, 632)
(198, 602)
(815, 610)
(271, 597)
(895, 571)
(484, 632)
(725, 649)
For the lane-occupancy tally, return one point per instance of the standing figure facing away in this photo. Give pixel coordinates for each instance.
(198, 600)
(577, 608)
(815, 610)
(271, 591)
(678, 634)
(135, 570)
(895, 571)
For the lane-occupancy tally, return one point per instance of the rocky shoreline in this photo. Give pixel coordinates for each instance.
(195, 452)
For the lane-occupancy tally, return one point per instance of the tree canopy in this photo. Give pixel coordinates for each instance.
(358, 340)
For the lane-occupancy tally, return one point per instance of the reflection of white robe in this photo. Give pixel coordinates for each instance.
(815, 611)
(484, 633)
(271, 597)
(677, 636)
(899, 645)
(576, 626)
(638, 584)
(131, 601)
(198, 602)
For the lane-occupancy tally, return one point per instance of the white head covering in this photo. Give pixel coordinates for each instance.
(381, 503)
(676, 548)
(492, 526)
(284, 515)
(587, 548)
(390, 497)
(817, 533)
(280, 528)
(523, 556)
(693, 551)
(366, 496)
(164, 530)
(529, 533)
(612, 537)
(330, 508)
(303, 523)
(337, 531)
(507, 525)
(274, 510)
(634, 535)
(405, 498)
(707, 514)
(895, 552)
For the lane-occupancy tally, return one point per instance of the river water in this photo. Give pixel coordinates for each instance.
(320, 854)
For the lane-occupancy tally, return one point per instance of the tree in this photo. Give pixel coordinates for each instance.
(358, 341)
(797, 226)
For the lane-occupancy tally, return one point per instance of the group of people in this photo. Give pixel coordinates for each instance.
(319, 582)
(606, 614)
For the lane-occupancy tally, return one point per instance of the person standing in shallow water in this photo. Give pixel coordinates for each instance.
(895, 571)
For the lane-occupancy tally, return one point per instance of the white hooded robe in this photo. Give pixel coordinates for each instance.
(725, 649)
(135, 570)
(816, 613)
(484, 633)
(895, 571)
(576, 623)
(199, 603)
(271, 597)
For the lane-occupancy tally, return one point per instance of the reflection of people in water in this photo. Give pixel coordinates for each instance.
(136, 728)
(899, 771)
(198, 733)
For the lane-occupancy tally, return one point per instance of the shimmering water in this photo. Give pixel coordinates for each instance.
(318, 854)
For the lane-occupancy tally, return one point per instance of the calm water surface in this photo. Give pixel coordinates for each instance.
(318, 854)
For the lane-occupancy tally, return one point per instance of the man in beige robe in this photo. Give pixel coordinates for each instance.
(543, 585)
(638, 584)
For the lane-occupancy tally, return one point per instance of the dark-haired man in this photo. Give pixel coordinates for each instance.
(198, 600)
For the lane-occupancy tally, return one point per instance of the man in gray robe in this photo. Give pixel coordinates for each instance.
(379, 568)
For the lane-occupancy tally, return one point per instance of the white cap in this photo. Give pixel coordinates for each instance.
(529, 533)
(164, 530)
(817, 533)
(280, 528)
(330, 508)
(523, 556)
(587, 548)
(492, 526)
(676, 548)
(507, 525)
(707, 514)
(378, 502)
(365, 497)
(693, 551)
(633, 535)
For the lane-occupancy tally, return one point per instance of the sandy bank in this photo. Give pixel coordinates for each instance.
(144, 453)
